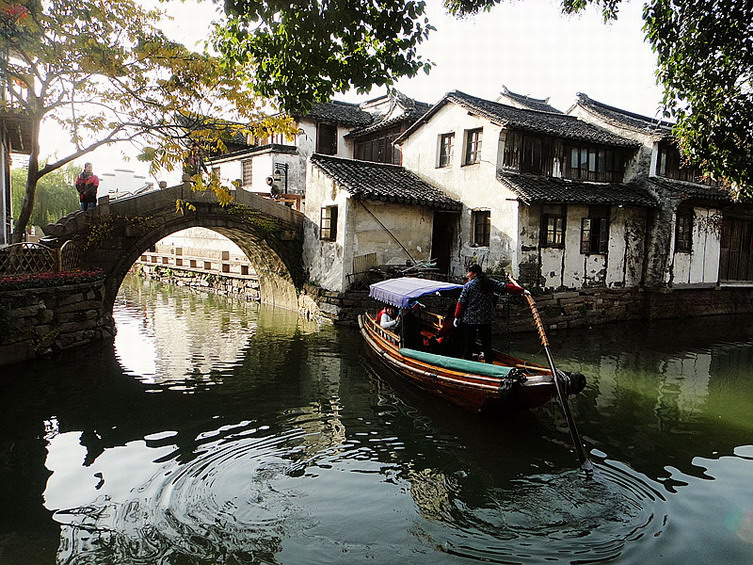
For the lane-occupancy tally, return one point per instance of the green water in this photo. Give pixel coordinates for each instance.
(216, 431)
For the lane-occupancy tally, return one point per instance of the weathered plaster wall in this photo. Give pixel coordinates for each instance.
(307, 140)
(568, 268)
(701, 265)
(201, 238)
(358, 232)
(262, 167)
(474, 185)
(325, 260)
(411, 226)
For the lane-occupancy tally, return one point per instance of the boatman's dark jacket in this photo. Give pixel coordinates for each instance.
(476, 307)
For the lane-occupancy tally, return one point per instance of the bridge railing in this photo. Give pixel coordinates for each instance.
(224, 265)
(29, 258)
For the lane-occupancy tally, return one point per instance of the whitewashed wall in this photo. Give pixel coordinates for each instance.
(411, 226)
(330, 262)
(569, 268)
(202, 238)
(324, 260)
(701, 265)
(475, 185)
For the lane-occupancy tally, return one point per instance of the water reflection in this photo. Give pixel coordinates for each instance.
(272, 442)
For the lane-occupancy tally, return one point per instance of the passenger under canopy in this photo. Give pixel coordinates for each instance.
(400, 292)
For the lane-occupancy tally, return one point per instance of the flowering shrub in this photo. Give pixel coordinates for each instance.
(37, 280)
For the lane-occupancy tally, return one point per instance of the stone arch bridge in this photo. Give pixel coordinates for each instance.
(113, 235)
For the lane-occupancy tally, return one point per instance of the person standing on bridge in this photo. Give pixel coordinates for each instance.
(87, 184)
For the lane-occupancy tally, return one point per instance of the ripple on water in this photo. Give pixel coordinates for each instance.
(554, 517)
(236, 497)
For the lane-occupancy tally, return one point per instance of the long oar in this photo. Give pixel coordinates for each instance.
(585, 462)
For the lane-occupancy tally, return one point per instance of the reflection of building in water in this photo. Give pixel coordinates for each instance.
(685, 385)
(184, 336)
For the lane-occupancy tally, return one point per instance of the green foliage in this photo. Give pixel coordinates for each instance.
(302, 52)
(105, 73)
(705, 58)
(56, 195)
(705, 55)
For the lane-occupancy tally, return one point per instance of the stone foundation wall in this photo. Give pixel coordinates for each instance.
(562, 310)
(233, 286)
(39, 321)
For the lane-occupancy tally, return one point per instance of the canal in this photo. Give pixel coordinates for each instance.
(216, 431)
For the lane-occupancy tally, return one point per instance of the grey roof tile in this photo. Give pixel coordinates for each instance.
(554, 124)
(341, 113)
(378, 181)
(695, 190)
(539, 104)
(624, 118)
(560, 191)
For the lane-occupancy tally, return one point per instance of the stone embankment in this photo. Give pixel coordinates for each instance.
(570, 309)
(243, 287)
(39, 321)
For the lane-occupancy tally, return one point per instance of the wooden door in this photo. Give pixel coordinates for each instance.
(736, 253)
(442, 239)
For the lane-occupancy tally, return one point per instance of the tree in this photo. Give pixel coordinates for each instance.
(302, 52)
(103, 72)
(55, 194)
(306, 51)
(705, 64)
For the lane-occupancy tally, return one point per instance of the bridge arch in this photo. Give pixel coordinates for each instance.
(115, 234)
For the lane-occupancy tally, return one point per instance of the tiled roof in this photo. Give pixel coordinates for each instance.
(558, 125)
(252, 150)
(413, 111)
(547, 123)
(694, 190)
(378, 181)
(341, 113)
(539, 104)
(624, 118)
(560, 191)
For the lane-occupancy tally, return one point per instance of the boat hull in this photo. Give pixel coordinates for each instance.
(471, 391)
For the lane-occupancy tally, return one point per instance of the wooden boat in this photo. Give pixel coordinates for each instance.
(507, 385)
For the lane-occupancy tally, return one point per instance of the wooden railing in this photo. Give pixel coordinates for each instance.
(29, 258)
(224, 265)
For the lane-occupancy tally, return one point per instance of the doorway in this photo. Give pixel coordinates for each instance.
(442, 239)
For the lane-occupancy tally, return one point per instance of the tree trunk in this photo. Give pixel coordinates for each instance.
(19, 228)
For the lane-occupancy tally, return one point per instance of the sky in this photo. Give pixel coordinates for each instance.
(527, 46)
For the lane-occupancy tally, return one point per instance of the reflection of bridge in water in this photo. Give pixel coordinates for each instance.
(115, 234)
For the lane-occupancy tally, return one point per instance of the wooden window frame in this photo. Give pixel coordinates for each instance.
(320, 139)
(553, 227)
(446, 150)
(594, 231)
(684, 231)
(481, 227)
(247, 170)
(473, 143)
(328, 223)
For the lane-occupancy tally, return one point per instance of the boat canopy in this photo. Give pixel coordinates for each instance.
(400, 292)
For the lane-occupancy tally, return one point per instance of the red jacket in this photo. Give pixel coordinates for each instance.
(87, 187)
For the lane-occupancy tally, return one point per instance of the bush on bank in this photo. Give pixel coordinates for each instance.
(52, 279)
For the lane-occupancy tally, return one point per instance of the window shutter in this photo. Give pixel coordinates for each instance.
(603, 235)
(585, 235)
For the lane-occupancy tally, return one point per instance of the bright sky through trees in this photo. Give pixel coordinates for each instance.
(530, 47)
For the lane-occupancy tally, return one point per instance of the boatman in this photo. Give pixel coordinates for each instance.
(475, 309)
